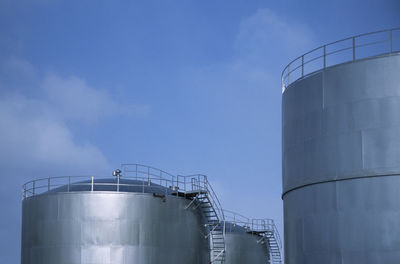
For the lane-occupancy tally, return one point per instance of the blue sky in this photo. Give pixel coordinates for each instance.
(185, 86)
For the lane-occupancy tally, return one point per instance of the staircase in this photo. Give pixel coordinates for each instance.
(272, 242)
(203, 197)
(216, 230)
(274, 247)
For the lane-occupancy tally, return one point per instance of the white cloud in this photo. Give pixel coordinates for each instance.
(266, 33)
(34, 115)
(74, 99)
(34, 142)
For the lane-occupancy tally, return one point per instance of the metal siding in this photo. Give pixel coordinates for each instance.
(111, 228)
(339, 124)
(244, 248)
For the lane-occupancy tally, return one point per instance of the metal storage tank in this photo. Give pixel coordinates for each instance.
(341, 152)
(248, 240)
(143, 215)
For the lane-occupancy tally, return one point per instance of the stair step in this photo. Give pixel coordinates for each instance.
(214, 226)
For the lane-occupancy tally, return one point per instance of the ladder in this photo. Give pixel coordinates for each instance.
(203, 199)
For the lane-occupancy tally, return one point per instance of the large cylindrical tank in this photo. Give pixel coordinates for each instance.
(341, 162)
(141, 222)
(243, 246)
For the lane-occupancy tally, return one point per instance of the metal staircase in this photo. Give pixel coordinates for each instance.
(274, 247)
(270, 240)
(203, 197)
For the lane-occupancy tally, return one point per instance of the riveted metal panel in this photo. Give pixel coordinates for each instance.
(341, 164)
(111, 228)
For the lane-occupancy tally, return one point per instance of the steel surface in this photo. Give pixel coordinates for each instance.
(341, 161)
(245, 248)
(111, 228)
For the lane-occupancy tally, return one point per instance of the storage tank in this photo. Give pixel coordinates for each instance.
(143, 215)
(248, 240)
(341, 152)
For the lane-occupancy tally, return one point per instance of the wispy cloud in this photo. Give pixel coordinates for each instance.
(35, 110)
(74, 99)
(268, 34)
(33, 142)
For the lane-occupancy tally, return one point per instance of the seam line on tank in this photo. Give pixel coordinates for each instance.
(337, 180)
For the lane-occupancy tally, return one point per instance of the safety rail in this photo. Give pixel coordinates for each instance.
(184, 183)
(341, 51)
(148, 178)
(201, 182)
(253, 224)
(43, 185)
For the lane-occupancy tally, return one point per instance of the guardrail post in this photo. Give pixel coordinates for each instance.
(118, 183)
(390, 41)
(224, 231)
(302, 66)
(324, 56)
(354, 48)
(91, 187)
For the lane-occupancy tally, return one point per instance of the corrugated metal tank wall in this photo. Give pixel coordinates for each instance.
(111, 228)
(341, 164)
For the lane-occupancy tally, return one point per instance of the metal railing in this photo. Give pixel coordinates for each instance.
(145, 179)
(345, 50)
(200, 183)
(253, 224)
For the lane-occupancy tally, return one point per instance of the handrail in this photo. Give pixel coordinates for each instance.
(39, 186)
(206, 186)
(300, 62)
(125, 167)
(253, 224)
(148, 177)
